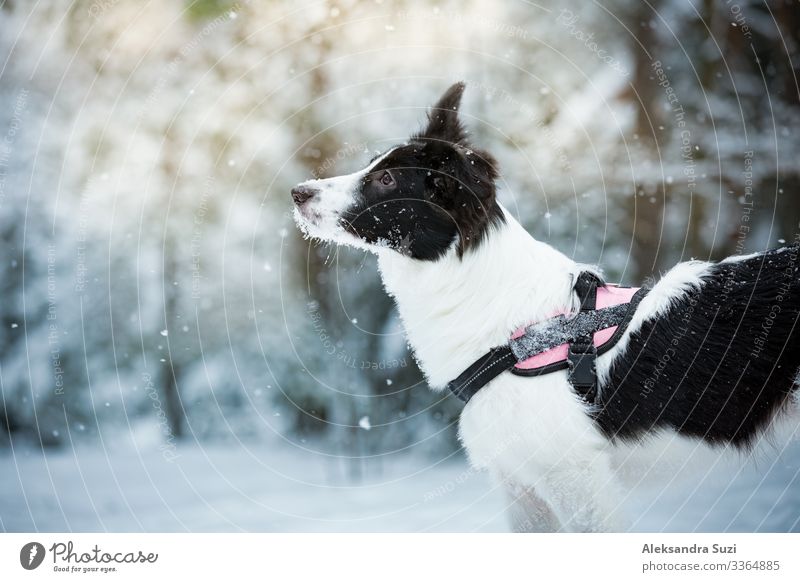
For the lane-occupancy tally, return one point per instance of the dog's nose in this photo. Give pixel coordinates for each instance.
(302, 194)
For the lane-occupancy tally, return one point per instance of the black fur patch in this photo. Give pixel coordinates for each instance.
(439, 190)
(719, 364)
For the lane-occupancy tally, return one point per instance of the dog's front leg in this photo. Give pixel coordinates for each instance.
(585, 498)
(528, 511)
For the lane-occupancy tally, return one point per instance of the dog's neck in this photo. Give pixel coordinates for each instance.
(455, 309)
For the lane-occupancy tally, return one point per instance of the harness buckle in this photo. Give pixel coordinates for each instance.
(582, 373)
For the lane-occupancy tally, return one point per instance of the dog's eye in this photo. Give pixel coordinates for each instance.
(386, 179)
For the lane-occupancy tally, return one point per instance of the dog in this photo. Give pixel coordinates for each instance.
(710, 353)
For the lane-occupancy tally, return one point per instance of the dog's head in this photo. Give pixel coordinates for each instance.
(422, 198)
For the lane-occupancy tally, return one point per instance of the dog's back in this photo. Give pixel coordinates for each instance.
(719, 363)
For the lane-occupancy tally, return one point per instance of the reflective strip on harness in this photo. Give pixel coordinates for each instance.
(560, 342)
(548, 341)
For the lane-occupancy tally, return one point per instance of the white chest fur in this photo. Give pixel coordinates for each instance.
(456, 309)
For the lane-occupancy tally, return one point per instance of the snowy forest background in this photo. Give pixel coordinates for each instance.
(157, 305)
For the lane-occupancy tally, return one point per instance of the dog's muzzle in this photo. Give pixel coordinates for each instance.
(302, 194)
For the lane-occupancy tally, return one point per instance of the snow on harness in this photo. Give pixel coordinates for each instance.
(560, 342)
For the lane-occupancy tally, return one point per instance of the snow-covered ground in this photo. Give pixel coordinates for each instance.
(248, 487)
(274, 487)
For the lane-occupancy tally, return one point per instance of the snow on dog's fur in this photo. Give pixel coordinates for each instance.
(711, 352)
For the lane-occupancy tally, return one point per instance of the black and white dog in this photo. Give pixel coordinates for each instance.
(711, 352)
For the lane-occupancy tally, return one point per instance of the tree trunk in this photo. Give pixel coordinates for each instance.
(646, 211)
(172, 372)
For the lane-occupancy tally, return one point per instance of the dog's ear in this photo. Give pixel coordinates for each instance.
(443, 122)
(463, 185)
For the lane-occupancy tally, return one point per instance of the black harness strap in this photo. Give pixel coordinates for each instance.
(578, 332)
(486, 369)
(582, 355)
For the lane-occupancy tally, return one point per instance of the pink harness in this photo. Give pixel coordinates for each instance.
(562, 341)
(607, 296)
